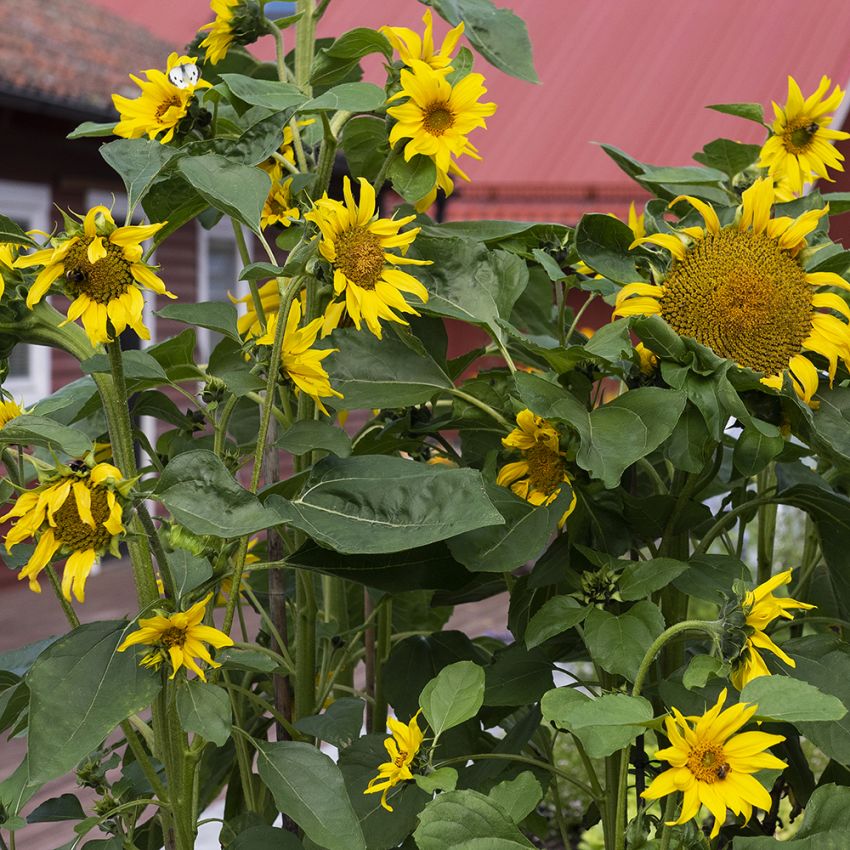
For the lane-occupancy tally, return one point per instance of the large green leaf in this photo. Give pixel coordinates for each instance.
(376, 504)
(205, 709)
(518, 796)
(413, 178)
(138, 162)
(265, 838)
(642, 578)
(603, 241)
(619, 643)
(334, 62)
(729, 157)
(339, 724)
(497, 34)
(310, 434)
(29, 430)
(791, 700)
(556, 616)
(453, 697)
(218, 316)
(308, 786)
(269, 93)
(203, 495)
(386, 372)
(350, 97)
(80, 690)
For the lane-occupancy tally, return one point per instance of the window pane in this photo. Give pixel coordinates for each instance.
(19, 362)
(222, 269)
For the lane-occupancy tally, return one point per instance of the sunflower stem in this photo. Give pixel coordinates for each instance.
(305, 43)
(70, 614)
(475, 402)
(305, 645)
(381, 177)
(158, 550)
(383, 638)
(667, 831)
(221, 425)
(766, 481)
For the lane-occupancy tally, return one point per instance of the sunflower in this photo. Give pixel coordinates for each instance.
(179, 636)
(161, 105)
(221, 30)
(8, 253)
(413, 48)
(636, 224)
(286, 151)
(742, 291)
(761, 608)
(438, 116)
(538, 477)
(77, 512)
(356, 242)
(103, 270)
(800, 147)
(278, 208)
(402, 748)
(301, 363)
(9, 410)
(713, 766)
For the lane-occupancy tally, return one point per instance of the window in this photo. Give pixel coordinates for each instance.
(28, 204)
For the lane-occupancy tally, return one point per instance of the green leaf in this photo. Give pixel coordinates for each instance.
(642, 578)
(237, 190)
(839, 202)
(518, 796)
(728, 156)
(750, 111)
(174, 201)
(456, 817)
(10, 231)
(604, 725)
(413, 179)
(603, 241)
(791, 700)
(218, 316)
(711, 577)
(29, 430)
(260, 271)
(701, 669)
(619, 643)
(64, 807)
(91, 130)
(80, 690)
(227, 361)
(378, 504)
(309, 435)
(364, 142)
(517, 676)
(453, 697)
(232, 658)
(342, 56)
(203, 495)
(265, 838)
(373, 372)
(308, 786)
(138, 162)
(269, 93)
(339, 724)
(493, 231)
(138, 366)
(189, 571)
(204, 709)
(754, 450)
(497, 34)
(444, 779)
(556, 616)
(349, 97)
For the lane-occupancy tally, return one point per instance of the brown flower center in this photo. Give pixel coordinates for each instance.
(102, 281)
(360, 257)
(707, 762)
(798, 135)
(172, 103)
(173, 637)
(438, 118)
(546, 468)
(743, 296)
(76, 535)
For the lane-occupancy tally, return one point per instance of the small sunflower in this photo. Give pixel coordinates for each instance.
(161, 105)
(636, 224)
(8, 254)
(356, 243)
(77, 512)
(438, 116)
(301, 363)
(761, 607)
(179, 637)
(286, 151)
(712, 766)
(742, 291)
(220, 36)
(9, 410)
(402, 749)
(103, 270)
(411, 47)
(278, 208)
(538, 477)
(801, 146)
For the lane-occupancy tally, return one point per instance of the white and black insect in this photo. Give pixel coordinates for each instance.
(184, 76)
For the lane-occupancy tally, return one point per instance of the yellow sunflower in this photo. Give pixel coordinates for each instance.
(9, 410)
(8, 253)
(742, 291)
(179, 636)
(221, 30)
(761, 607)
(103, 270)
(636, 224)
(444, 181)
(301, 363)
(357, 244)
(412, 47)
(438, 116)
(402, 748)
(712, 766)
(77, 512)
(160, 106)
(538, 477)
(278, 208)
(801, 146)
(272, 165)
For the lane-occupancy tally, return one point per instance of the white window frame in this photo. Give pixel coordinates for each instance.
(30, 202)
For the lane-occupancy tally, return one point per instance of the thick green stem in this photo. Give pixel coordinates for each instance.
(382, 653)
(766, 525)
(305, 43)
(381, 177)
(158, 550)
(70, 614)
(667, 831)
(305, 645)
(725, 521)
(221, 424)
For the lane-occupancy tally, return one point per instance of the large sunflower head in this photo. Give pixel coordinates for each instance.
(438, 116)
(713, 766)
(76, 512)
(412, 47)
(358, 245)
(760, 607)
(742, 291)
(801, 146)
(162, 104)
(541, 473)
(103, 274)
(402, 748)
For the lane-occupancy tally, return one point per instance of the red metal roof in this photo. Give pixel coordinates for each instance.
(634, 74)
